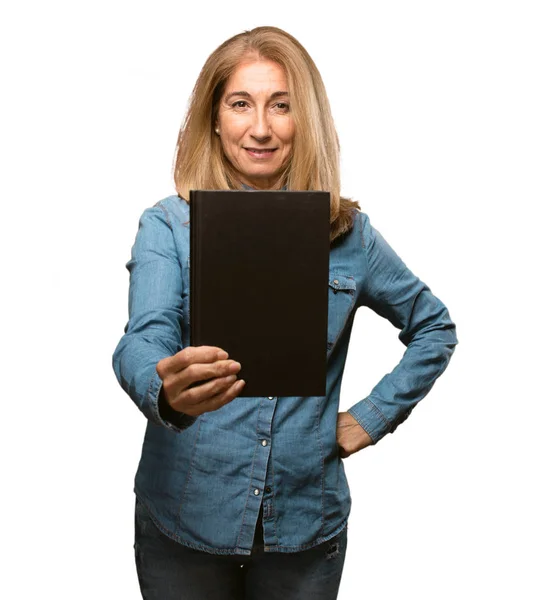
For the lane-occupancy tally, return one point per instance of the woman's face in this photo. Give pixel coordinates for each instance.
(255, 125)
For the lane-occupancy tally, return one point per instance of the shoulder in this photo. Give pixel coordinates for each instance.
(350, 219)
(360, 229)
(363, 225)
(174, 210)
(164, 228)
(167, 218)
(361, 220)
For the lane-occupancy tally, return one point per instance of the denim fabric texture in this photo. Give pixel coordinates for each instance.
(170, 571)
(204, 479)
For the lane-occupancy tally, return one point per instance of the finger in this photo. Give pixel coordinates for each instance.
(216, 401)
(343, 453)
(188, 356)
(190, 382)
(199, 373)
(225, 397)
(205, 391)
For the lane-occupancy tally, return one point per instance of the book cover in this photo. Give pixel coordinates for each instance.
(258, 285)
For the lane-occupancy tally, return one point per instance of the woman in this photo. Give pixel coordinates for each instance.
(247, 497)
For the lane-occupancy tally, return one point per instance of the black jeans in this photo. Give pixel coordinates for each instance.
(168, 570)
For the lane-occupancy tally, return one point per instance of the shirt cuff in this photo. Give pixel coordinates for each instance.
(371, 419)
(162, 413)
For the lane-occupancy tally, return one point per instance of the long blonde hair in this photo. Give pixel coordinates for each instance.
(314, 162)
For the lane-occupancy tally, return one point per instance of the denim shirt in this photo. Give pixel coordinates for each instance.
(204, 478)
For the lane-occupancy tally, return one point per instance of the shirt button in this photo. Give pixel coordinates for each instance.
(264, 442)
(268, 490)
(335, 281)
(270, 397)
(256, 492)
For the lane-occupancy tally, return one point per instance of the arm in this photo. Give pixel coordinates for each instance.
(426, 329)
(154, 328)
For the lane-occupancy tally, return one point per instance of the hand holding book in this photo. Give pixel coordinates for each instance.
(199, 379)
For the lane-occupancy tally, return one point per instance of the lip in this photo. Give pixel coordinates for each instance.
(261, 153)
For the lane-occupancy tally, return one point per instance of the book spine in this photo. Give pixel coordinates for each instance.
(193, 263)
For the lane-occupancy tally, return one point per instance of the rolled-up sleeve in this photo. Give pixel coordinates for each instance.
(426, 329)
(155, 307)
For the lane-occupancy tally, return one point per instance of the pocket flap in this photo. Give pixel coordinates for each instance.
(337, 281)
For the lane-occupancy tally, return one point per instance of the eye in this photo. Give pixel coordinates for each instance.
(282, 107)
(239, 104)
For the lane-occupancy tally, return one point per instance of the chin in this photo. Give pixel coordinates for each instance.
(263, 176)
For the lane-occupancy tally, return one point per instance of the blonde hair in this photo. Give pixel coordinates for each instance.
(314, 163)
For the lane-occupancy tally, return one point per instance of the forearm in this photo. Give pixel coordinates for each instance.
(425, 359)
(134, 364)
(155, 306)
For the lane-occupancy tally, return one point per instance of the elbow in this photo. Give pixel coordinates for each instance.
(431, 325)
(116, 359)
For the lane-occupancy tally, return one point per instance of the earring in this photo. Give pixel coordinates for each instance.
(217, 130)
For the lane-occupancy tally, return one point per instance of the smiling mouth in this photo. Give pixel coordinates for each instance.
(260, 152)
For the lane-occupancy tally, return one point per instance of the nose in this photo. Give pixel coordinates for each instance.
(260, 128)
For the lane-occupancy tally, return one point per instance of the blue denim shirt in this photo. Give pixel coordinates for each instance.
(204, 481)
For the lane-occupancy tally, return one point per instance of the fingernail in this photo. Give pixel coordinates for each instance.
(222, 355)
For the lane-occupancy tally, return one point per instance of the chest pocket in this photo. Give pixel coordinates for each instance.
(341, 299)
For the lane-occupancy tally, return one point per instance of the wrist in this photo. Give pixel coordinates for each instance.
(167, 412)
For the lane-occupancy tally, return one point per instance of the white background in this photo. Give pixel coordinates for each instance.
(443, 114)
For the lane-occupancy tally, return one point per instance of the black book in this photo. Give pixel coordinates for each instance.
(259, 265)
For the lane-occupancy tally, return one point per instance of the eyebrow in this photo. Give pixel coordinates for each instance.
(244, 94)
